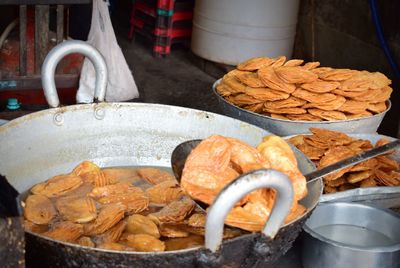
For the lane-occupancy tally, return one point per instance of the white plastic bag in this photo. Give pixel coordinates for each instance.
(120, 86)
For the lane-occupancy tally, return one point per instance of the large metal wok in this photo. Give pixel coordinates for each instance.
(40, 145)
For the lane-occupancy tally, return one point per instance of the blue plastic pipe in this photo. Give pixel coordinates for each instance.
(381, 38)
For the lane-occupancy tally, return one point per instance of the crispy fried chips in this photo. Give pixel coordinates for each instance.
(325, 147)
(262, 85)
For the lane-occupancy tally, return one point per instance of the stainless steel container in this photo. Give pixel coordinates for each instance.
(287, 127)
(351, 235)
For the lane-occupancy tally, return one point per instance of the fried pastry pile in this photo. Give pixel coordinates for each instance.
(125, 209)
(291, 90)
(326, 147)
(218, 160)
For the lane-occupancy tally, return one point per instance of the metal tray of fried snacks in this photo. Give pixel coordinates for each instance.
(382, 196)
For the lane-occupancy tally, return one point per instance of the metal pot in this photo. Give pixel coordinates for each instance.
(351, 235)
(281, 127)
(53, 141)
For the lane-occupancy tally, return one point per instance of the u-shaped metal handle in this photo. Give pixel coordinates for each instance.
(60, 51)
(236, 190)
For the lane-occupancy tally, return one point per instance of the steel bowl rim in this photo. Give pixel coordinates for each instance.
(323, 239)
(388, 102)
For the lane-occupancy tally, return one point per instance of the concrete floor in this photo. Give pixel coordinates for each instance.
(173, 80)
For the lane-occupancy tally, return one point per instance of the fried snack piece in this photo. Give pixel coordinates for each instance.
(387, 178)
(337, 182)
(243, 219)
(92, 173)
(86, 242)
(279, 61)
(333, 155)
(113, 234)
(121, 175)
(311, 65)
(233, 73)
(223, 90)
(164, 193)
(387, 163)
(331, 137)
(378, 80)
(39, 209)
(361, 144)
(244, 99)
(370, 182)
(383, 96)
(255, 108)
(234, 84)
(356, 94)
(328, 115)
(145, 243)
(377, 107)
(197, 220)
(295, 74)
(175, 211)
(327, 106)
(155, 176)
(321, 70)
(355, 177)
(109, 216)
(353, 107)
(281, 157)
(365, 165)
(303, 117)
(58, 185)
(293, 62)
(265, 94)
(287, 111)
(172, 231)
(382, 142)
(329, 189)
(215, 162)
(65, 231)
(313, 97)
(133, 198)
(297, 140)
(139, 224)
(311, 152)
(249, 79)
(254, 64)
(358, 82)
(77, 209)
(320, 86)
(271, 80)
(287, 103)
(337, 74)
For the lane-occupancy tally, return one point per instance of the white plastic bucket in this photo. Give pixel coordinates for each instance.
(231, 31)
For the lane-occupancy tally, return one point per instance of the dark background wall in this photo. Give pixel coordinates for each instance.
(341, 34)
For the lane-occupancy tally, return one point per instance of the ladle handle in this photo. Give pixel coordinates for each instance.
(236, 190)
(60, 51)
